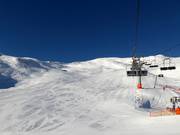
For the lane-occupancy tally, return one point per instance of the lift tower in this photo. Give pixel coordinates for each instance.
(136, 66)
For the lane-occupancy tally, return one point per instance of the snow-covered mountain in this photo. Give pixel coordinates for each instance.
(91, 97)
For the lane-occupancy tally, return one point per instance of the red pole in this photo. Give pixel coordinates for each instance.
(139, 85)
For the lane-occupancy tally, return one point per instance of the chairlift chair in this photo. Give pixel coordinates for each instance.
(147, 64)
(136, 69)
(169, 67)
(160, 75)
(164, 68)
(137, 73)
(153, 66)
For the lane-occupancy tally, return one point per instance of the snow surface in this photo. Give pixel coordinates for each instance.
(83, 98)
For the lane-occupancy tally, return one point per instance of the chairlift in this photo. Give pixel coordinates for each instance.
(160, 75)
(172, 68)
(147, 64)
(137, 73)
(136, 69)
(153, 66)
(164, 68)
(169, 67)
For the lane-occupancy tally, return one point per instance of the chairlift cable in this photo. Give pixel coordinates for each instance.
(134, 51)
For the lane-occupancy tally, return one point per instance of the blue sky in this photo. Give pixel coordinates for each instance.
(76, 30)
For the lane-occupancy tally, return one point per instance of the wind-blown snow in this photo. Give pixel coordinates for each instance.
(91, 97)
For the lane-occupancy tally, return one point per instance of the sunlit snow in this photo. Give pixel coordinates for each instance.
(82, 98)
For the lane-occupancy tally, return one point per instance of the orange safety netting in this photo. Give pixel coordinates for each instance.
(178, 111)
(165, 112)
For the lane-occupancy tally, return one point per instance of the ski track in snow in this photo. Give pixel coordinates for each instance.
(92, 97)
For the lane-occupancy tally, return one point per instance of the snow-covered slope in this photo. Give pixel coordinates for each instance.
(91, 97)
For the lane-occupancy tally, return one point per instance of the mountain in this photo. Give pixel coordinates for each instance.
(90, 97)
